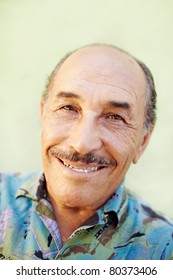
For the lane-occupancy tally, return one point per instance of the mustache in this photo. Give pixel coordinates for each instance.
(77, 157)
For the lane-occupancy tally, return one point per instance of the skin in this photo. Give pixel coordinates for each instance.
(96, 106)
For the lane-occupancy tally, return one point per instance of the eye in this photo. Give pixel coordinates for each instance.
(68, 108)
(115, 117)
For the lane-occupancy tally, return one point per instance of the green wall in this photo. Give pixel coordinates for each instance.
(34, 34)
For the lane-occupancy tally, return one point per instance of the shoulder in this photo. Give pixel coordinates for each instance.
(157, 227)
(13, 180)
(9, 186)
(146, 212)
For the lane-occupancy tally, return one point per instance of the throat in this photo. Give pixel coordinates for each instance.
(69, 220)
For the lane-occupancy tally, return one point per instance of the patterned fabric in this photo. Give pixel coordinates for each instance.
(124, 228)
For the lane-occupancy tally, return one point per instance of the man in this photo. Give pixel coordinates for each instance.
(98, 113)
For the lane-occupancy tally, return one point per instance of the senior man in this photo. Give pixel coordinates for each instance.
(98, 113)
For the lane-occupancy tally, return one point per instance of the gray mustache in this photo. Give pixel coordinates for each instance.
(76, 157)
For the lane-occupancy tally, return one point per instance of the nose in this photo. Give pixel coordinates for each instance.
(84, 137)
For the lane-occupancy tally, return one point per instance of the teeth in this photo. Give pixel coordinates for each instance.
(88, 169)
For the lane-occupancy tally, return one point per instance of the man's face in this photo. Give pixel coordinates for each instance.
(92, 126)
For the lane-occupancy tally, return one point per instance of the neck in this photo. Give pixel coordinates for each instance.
(69, 219)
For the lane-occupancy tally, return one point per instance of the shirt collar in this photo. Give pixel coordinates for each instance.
(115, 208)
(34, 188)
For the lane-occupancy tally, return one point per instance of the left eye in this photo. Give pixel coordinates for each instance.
(115, 117)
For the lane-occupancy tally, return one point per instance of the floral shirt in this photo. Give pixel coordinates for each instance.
(124, 228)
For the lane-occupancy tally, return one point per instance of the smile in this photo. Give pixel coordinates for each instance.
(84, 170)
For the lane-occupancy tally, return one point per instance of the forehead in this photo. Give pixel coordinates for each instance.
(101, 69)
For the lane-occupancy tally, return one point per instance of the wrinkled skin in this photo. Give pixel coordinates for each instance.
(96, 107)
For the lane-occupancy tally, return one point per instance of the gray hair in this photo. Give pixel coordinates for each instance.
(151, 95)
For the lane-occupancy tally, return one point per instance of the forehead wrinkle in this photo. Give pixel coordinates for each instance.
(114, 89)
(104, 79)
(67, 94)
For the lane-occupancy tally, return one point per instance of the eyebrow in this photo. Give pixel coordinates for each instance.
(116, 104)
(113, 104)
(64, 94)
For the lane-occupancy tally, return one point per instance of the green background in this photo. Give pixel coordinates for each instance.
(35, 34)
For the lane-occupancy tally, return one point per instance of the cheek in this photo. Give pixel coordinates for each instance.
(122, 144)
(53, 132)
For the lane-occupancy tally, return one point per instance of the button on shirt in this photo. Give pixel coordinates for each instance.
(123, 229)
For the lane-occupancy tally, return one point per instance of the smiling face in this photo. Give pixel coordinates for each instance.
(92, 126)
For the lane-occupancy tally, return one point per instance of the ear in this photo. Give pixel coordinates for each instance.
(143, 145)
(41, 107)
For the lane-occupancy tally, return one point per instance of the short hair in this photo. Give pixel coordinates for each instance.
(151, 95)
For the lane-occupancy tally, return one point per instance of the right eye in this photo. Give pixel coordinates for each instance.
(68, 108)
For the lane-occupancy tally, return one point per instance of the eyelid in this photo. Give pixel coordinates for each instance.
(69, 107)
(115, 116)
